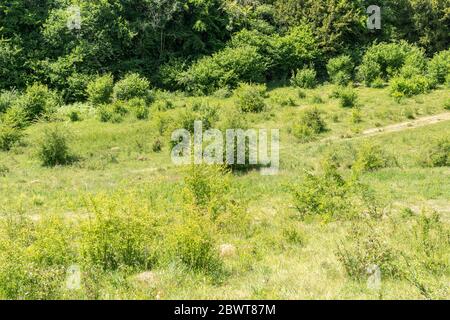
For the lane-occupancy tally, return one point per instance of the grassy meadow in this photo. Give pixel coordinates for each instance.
(135, 226)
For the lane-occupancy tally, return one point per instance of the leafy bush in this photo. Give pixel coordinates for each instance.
(37, 101)
(100, 90)
(192, 244)
(7, 99)
(250, 98)
(132, 86)
(139, 107)
(34, 257)
(370, 157)
(402, 86)
(385, 60)
(119, 232)
(438, 155)
(439, 67)
(326, 195)
(9, 136)
(226, 68)
(366, 249)
(15, 117)
(198, 111)
(54, 149)
(347, 97)
(340, 69)
(304, 78)
(309, 125)
(114, 112)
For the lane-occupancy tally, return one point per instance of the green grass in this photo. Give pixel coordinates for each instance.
(278, 255)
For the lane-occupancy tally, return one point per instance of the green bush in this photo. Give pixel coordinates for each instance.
(326, 195)
(9, 136)
(139, 107)
(198, 111)
(192, 244)
(225, 68)
(132, 86)
(385, 60)
(34, 257)
(250, 98)
(370, 157)
(38, 101)
(407, 87)
(438, 155)
(100, 90)
(348, 97)
(340, 69)
(120, 232)
(53, 150)
(439, 67)
(113, 113)
(15, 117)
(304, 78)
(309, 125)
(7, 99)
(366, 249)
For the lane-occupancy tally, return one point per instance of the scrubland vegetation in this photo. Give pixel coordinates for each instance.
(92, 206)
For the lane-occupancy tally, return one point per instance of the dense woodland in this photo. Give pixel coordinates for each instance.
(167, 40)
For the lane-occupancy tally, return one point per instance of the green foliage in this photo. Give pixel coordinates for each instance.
(407, 87)
(9, 136)
(304, 78)
(309, 125)
(367, 250)
(340, 70)
(139, 107)
(100, 90)
(114, 112)
(438, 155)
(439, 67)
(326, 195)
(250, 98)
(120, 232)
(34, 257)
(198, 111)
(54, 149)
(370, 157)
(7, 98)
(38, 101)
(226, 68)
(385, 60)
(347, 96)
(132, 86)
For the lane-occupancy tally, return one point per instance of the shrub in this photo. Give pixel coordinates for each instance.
(198, 111)
(100, 90)
(37, 101)
(370, 157)
(439, 67)
(310, 124)
(340, 69)
(119, 232)
(7, 98)
(192, 244)
(132, 86)
(34, 257)
(157, 145)
(326, 195)
(225, 68)
(74, 116)
(114, 112)
(385, 60)
(304, 78)
(9, 136)
(438, 155)
(366, 249)
(54, 149)
(139, 107)
(402, 86)
(347, 97)
(170, 73)
(162, 105)
(250, 98)
(15, 117)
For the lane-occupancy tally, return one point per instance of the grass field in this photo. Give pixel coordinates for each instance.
(137, 226)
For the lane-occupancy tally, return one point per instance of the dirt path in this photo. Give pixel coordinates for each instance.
(417, 123)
